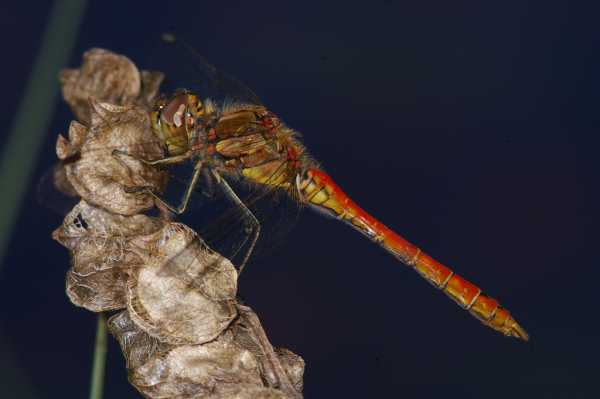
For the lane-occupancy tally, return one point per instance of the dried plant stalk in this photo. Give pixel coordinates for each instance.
(183, 333)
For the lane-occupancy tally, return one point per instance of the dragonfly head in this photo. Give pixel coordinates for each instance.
(174, 120)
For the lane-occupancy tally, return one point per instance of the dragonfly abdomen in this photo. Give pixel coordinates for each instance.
(317, 189)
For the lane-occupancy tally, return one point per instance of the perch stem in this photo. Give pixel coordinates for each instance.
(97, 382)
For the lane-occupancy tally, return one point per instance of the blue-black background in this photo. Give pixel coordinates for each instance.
(470, 129)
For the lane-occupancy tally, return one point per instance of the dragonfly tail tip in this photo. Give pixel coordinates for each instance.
(518, 332)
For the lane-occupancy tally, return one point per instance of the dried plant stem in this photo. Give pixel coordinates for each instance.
(97, 382)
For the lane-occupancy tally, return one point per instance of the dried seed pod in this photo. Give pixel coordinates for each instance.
(108, 77)
(137, 345)
(184, 293)
(100, 255)
(218, 369)
(102, 176)
(293, 365)
(222, 368)
(250, 392)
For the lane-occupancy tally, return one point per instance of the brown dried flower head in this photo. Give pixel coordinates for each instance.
(108, 77)
(99, 174)
(223, 368)
(184, 293)
(101, 257)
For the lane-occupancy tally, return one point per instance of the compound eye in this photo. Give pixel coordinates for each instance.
(174, 111)
(176, 123)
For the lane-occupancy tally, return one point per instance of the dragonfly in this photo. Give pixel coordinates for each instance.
(245, 176)
(242, 152)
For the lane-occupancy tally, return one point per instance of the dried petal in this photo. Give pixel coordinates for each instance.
(98, 291)
(137, 345)
(184, 293)
(259, 393)
(101, 176)
(218, 369)
(100, 254)
(109, 77)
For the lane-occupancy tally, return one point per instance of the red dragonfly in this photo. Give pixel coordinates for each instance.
(246, 156)
(251, 176)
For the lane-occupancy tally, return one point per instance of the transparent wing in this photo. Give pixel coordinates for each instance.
(184, 67)
(55, 192)
(225, 228)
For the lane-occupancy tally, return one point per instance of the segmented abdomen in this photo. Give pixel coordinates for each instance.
(317, 189)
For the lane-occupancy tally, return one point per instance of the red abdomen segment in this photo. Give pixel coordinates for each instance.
(318, 190)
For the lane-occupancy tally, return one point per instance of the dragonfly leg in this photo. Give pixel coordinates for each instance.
(161, 161)
(250, 221)
(207, 189)
(165, 161)
(186, 197)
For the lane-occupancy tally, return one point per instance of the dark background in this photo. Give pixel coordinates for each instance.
(471, 130)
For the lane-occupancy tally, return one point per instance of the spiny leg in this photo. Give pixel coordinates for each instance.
(207, 189)
(166, 161)
(162, 161)
(250, 221)
(186, 197)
